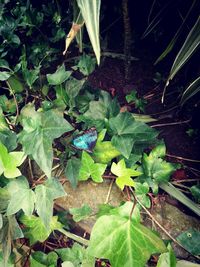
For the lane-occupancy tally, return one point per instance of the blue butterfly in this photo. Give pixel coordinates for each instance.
(86, 141)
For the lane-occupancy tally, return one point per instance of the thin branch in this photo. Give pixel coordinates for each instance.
(181, 158)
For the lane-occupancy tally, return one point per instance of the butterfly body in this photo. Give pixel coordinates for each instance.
(86, 141)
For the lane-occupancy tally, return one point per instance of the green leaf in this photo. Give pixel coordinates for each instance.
(77, 255)
(10, 161)
(15, 84)
(4, 199)
(190, 241)
(141, 191)
(130, 134)
(73, 87)
(90, 169)
(123, 174)
(167, 259)
(67, 264)
(10, 231)
(104, 151)
(155, 167)
(22, 197)
(39, 131)
(4, 75)
(86, 64)
(81, 213)
(45, 194)
(189, 47)
(46, 260)
(90, 10)
(195, 190)
(190, 91)
(123, 242)
(99, 111)
(59, 76)
(35, 229)
(72, 170)
(8, 139)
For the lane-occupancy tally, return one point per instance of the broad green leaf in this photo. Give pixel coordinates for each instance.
(59, 76)
(15, 84)
(167, 259)
(190, 91)
(195, 190)
(130, 134)
(9, 232)
(77, 255)
(100, 111)
(72, 170)
(39, 131)
(8, 139)
(3, 123)
(155, 167)
(35, 229)
(86, 64)
(90, 11)
(7, 105)
(10, 161)
(104, 151)
(123, 174)
(73, 87)
(189, 47)
(22, 197)
(190, 241)
(123, 242)
(4, 75)
(10, 262)
(4, 199)
(46, 260)
(141, 191)
(45, 195)
(90, 169)
(81, 213)
(67, 264)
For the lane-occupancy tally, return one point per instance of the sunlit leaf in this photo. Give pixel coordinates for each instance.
(123, 242)
(91, 169)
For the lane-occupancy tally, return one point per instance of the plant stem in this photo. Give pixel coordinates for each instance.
(76, 238)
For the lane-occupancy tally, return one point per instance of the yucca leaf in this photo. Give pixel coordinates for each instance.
(90, 11)
(191, 90)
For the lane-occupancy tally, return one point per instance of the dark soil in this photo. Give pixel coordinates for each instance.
(110, 77)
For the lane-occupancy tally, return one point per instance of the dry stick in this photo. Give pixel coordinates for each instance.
(159, 225)
(181, 158)
(109, 191)
(169, 124)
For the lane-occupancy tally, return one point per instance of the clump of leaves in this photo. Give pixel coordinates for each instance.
(138, 101)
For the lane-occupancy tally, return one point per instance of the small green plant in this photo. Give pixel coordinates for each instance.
(138, 102)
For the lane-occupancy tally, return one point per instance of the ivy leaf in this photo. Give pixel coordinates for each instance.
(190, 241)
(86, 64)
(104, 151)
(141, 190)
(73, 87)
(8, 139)
(35, 229)
(123, 242)
(72, 170)
(40, 258)
(39, 131)
(45, 194)
(155, 167)
(10, 231)
(167, 259)
(100, 111)
(81, 213)
(129, 134)
(22, 197)
(10, 161)
(90, 169)
(59, 76)
(77, 255)
(124, 174)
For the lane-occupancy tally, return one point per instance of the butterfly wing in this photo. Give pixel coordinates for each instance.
(86, 141)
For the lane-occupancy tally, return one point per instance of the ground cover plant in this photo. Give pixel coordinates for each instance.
(52, 118)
